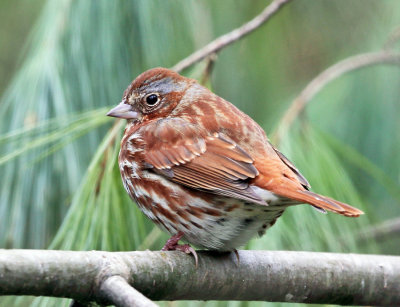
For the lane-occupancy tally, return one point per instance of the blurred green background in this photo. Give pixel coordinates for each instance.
(64, 63)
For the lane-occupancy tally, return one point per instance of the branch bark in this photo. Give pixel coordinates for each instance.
(278, 276)
(117, 290)
(232, 36)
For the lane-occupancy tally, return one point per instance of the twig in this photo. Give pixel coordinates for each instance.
(330, 74)
(277, 276)
(232, 36)
(381, 231)
(208, 69)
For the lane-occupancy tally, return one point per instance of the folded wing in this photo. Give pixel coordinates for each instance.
(188, 155)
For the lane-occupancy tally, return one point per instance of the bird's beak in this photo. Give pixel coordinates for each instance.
(123, 110)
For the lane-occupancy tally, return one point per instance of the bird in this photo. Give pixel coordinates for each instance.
(201, 169)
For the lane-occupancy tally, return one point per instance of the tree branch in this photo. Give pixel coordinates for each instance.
(117, 290)
(381, 231)
(232, 36)
(352, 63)
(278, 276)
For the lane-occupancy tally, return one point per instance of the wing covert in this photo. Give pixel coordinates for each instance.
(190, 156)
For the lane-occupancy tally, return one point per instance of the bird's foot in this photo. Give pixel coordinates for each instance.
(172, 244)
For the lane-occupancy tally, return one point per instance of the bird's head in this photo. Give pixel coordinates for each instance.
(153, 94)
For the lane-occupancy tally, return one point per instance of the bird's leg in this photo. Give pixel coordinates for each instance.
(172, 244)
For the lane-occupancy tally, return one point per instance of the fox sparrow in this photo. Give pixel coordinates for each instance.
(203, 170)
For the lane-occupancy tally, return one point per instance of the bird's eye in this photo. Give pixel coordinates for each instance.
(152, 99)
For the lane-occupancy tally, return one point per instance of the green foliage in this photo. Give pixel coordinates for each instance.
(60, 184)
(82, 55)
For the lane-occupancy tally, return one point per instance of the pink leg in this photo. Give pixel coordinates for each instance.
(172, 244)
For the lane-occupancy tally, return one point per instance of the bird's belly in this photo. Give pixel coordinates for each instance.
(206, 220)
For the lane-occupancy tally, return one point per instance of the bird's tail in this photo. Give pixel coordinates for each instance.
(323, 202)
(293, 185)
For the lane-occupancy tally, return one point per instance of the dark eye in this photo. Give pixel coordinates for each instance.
(151, 100)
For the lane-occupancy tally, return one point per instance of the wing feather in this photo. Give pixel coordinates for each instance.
(294, 169)
(190, 156)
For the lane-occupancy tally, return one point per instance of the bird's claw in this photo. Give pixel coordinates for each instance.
(186, 248)
(172, 244)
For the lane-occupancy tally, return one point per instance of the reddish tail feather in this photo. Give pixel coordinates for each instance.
(324, 202)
